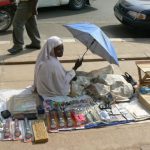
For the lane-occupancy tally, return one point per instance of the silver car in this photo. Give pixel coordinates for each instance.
(73, 4)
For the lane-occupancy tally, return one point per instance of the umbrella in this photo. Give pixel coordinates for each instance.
(94, 39)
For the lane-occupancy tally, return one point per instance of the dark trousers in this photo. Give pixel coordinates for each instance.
(24, 18)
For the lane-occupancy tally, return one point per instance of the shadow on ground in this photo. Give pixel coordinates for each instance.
(61, 11)
(5, 57)
(121, 31)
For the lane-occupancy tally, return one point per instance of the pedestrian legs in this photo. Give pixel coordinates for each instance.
(32, 31)
(21, 16)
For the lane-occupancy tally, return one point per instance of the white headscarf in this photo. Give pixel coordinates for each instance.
(48, 49)
(45, 54)
(50, 78)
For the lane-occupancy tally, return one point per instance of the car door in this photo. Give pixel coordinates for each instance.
(47, 3)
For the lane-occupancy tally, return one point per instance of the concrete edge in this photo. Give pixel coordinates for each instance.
(73, 60)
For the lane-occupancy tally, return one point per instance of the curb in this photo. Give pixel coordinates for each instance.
(73, 60)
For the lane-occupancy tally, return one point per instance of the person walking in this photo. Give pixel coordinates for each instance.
(25, 16)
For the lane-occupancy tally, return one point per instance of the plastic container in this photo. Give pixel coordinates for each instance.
(145, 90)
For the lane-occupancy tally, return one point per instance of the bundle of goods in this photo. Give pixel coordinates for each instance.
(66, 115)
(21, 105)
(17, 130)
(18, 122)
(23, 130)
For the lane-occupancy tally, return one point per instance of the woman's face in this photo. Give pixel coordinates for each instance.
(59, 50)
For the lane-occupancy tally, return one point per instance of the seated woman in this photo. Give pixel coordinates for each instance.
(50, 78)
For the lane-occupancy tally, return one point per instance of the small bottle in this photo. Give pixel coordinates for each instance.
(69, 119)
(61, 119)
(53, 124)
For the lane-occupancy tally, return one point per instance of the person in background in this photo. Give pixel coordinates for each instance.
(25, 15)
(50, 78)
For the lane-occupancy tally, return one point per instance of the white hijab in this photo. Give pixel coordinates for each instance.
(50, 78)
(48, 50)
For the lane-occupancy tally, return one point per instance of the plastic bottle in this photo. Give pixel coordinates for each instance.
(145, 90)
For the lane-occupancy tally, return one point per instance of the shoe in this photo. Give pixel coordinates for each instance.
(14, 51)
(31, 46)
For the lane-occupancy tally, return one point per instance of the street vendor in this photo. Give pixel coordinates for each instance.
(50, 78)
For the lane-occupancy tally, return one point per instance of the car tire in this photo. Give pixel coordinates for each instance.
(77, 4)
(8, 19)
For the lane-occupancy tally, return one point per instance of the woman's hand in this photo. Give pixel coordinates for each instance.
(78, 63)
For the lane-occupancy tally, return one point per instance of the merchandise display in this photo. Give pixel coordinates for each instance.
(66, 114)
(105, 100)
(83, 113)
(74, 113)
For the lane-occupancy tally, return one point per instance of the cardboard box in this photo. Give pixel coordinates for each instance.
(40, 132)
(145, 100)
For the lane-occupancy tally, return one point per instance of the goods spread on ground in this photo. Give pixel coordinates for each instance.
(107, 101)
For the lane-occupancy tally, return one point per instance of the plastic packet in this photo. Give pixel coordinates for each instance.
(17, 130)
(28, 133)
(104, 116)
(7, 130)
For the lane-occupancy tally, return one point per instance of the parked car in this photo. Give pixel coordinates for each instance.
(73, 4)
(134, 13)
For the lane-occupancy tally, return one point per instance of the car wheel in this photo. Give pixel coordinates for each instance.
(6, 18)
(77, 4)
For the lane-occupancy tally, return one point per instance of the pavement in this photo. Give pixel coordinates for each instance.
(16, 71)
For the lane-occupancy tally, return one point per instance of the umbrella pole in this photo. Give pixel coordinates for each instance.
(88, 48)
(84, 53)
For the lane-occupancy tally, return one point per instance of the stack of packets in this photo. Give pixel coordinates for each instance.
(21, 105)
(81, 114)
(23, 130)
(17, 130)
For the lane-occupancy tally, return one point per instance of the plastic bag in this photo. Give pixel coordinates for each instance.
(78, 86)
(119, 87)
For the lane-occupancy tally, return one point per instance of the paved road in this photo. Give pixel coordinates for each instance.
(50, 21)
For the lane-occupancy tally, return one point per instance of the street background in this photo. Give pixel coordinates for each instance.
(17, 72)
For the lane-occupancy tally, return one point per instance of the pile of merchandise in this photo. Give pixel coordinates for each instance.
(84, 113)
(63, 114)
(20, 122)
(95, 101)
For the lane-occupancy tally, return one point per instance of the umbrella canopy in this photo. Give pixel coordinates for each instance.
(94, 39)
